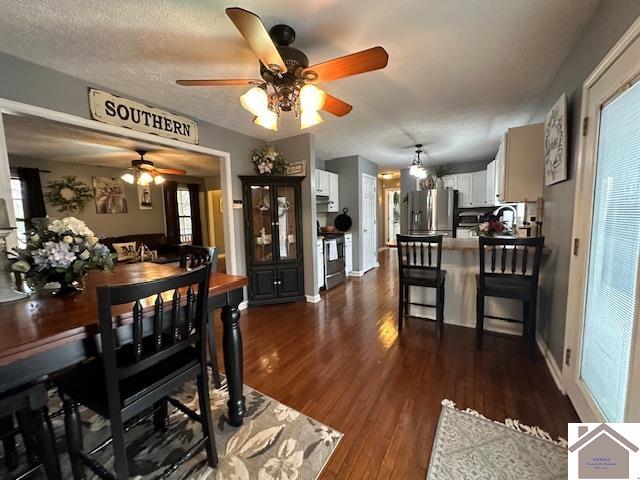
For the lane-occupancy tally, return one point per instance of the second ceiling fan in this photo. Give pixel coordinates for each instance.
(288, 82)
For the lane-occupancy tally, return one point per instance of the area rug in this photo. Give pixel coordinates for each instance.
(274, 443)
(469, 446)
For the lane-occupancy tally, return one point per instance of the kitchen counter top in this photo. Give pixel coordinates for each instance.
(468, 244)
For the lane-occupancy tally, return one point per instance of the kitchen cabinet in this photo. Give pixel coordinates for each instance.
(322, 183)
(334, 193)
(520, 164)
(491, 183)
(273, 238)
(464, 190)
(348, 252)
(479, 188)
(320, 260)
(450, 181)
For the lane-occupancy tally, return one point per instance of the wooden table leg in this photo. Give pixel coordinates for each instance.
(232, 346)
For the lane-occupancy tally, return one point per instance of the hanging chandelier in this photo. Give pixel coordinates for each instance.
(417, 169)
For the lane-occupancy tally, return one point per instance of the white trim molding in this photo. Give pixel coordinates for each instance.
(312, 298)
(356, 273)
(554, 369)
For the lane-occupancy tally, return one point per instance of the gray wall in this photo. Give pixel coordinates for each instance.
(609, 22)
(302, 148)
(350, 170)
(467, 167)
(26, 82)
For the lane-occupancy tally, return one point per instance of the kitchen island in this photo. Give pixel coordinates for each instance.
(460, 258)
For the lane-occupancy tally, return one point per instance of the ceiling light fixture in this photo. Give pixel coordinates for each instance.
(143, 173)
(386, 175)
(417, 169)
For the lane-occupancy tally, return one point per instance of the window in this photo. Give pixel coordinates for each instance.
(185, 225)
(18, 208)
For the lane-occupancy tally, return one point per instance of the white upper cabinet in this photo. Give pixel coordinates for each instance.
(520, 164)
(491, 183)
(479, 188)
(464, 190)
(322, 182)
(450, 181)
(334, 194)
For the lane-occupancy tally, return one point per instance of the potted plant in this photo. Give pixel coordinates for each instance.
(63, 251)
(440, 172)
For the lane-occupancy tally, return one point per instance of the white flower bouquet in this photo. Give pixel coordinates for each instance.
(268, 161)
(63, 251)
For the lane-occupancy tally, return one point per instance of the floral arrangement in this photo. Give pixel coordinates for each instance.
(63, 252)
(268, 161)
(68, 194)
(492, 227)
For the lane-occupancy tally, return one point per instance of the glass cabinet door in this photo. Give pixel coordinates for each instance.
(286, 223)
(261, 223)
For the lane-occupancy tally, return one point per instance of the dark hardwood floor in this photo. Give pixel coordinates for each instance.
(342, 362)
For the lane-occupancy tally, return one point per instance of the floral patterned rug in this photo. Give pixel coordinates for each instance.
(274, 443)
(469, 446)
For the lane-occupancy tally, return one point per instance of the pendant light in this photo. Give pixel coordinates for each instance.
(417, 169)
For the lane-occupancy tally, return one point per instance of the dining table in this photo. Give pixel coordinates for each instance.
(43, 334)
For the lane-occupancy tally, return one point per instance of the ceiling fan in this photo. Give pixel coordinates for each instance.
(142, 172)
(288, 82)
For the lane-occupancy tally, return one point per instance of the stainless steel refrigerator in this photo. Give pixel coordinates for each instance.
(431, 212)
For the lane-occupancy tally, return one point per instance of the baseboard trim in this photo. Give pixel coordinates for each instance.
(312, 298)
(243, 305)
(356, 273)
(554, 369)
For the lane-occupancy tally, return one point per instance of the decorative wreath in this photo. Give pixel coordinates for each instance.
(68, 194)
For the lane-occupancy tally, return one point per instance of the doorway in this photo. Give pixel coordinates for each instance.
(368, 223)
(602, 336)
(392, 215)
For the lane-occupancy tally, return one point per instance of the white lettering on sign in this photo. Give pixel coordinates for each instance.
(122, 112)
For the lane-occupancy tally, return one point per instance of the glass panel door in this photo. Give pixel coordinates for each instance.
(261, 223)
(612, 288)
(286, 223)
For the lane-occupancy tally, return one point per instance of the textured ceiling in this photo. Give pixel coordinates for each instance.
(39, 138)
(460, 71)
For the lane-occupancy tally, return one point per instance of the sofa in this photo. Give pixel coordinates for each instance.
(167, 252)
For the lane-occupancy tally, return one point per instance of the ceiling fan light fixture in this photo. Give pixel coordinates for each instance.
(158, 179)
(267, 119)
(309, 118)
(255, 100)
(145, 179)
(311, 98)
(128, 177)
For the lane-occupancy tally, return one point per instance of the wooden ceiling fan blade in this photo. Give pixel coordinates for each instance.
(256, 35)
(170, 171)
(361, 62)
(335, 106)
(219, 82)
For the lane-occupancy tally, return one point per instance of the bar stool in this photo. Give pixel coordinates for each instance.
(420, 262)
(29, 404)
(515, 277)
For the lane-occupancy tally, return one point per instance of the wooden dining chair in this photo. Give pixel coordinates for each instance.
(192, 256)
(29, 404)
(420, 265)
(141, 365)
(513, 272)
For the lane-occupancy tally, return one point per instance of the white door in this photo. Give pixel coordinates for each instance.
(368, 223)
(602, 372)
(393, 215)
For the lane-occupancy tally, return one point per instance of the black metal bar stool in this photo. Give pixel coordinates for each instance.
(29, 404)
(141, 365)
(420, 262)
(515, 276)
(192, 256)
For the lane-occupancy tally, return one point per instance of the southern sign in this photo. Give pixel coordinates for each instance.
(122, 112)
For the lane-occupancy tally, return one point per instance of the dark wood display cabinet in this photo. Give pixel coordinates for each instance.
(273, 238)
